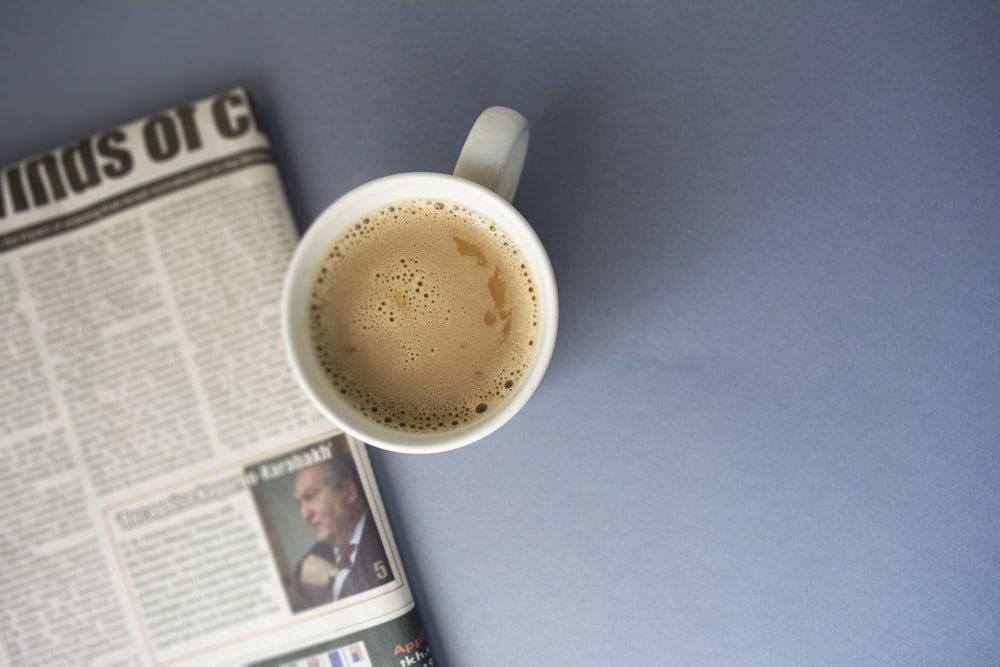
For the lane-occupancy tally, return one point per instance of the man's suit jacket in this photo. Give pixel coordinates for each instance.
(371, 568)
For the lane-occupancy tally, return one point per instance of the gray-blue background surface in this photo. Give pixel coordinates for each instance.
(770, 433)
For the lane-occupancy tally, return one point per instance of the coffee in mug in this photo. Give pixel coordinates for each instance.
(423, 314)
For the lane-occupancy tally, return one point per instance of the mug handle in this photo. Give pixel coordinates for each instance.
(494, 151)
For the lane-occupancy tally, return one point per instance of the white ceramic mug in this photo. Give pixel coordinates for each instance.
(485, 179)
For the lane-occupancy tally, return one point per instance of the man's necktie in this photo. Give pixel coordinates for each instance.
(344, 559)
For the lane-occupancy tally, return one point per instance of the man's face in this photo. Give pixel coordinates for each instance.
(331, 512)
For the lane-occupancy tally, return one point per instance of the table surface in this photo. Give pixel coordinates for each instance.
(770, 432)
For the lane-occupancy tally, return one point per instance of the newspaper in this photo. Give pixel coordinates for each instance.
(168, 496)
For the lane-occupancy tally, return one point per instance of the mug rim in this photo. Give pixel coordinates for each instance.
(345, 210)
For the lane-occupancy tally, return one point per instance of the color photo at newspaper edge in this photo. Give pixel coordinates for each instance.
(400, 641)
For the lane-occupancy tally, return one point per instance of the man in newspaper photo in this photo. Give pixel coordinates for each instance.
(348, 557)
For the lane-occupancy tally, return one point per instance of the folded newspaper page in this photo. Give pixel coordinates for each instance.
(168, 496)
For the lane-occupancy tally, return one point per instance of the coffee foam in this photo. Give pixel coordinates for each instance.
(424, 315)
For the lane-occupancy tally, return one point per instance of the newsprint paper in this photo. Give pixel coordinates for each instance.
(167, 494)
